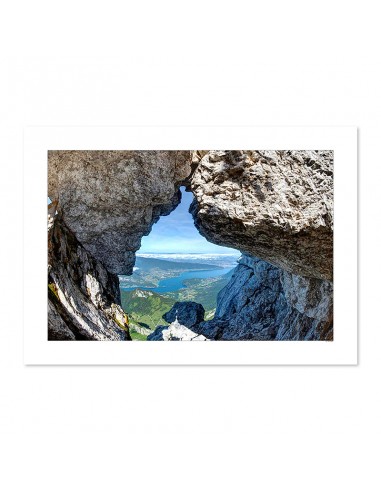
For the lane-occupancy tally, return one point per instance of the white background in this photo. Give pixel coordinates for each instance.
(190, 428)
(341, 140)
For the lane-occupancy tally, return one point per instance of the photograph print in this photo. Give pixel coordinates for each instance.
(190, 245)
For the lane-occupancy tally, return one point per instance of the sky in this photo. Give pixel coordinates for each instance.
(176, 233)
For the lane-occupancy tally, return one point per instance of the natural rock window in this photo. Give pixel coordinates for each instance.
(175, 267)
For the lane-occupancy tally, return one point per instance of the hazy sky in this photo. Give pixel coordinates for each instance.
(176, 233)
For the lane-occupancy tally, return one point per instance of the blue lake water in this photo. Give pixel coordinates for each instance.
(176, 283)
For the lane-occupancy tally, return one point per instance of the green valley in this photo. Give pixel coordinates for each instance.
(145, 308)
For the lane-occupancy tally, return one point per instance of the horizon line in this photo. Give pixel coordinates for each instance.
(182, 253)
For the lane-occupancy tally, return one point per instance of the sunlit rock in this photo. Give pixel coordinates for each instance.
(274, 205)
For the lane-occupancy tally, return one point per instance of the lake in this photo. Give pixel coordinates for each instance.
(176, 283)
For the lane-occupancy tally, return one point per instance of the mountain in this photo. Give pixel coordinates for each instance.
(143, 263)
(223, 260)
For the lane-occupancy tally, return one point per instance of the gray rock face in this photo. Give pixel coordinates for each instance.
(255, 306)
(310, 296)
(57, 328)
(188, 313)
(110, 199)
(275, 205)
(83, 297)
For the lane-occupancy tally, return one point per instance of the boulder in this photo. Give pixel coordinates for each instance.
(175, 332)
(274, 205)
(188, 313)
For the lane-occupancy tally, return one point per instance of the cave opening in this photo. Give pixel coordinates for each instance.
(174, 264)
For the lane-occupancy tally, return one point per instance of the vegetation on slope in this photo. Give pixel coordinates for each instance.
(202, 290)
(146, 308)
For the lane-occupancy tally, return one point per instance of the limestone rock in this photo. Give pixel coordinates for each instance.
(310, 296)
(275, 205)
(84, 297)
(254, 305)
(188, 313)
(110, 199)
(175, 332)
(57, 328)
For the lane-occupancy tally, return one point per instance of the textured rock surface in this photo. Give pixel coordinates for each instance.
(83, 300)
(310, 296)
(255, 306)
(110, 199)
(175, 332)
(275, 205)
(188, 313)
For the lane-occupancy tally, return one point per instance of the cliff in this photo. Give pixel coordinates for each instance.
(263, 302)
(83, 297)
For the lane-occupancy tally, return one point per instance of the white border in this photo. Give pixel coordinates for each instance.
(38, 140)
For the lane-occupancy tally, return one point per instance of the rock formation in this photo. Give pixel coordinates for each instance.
(276, 207)
(187, 313)
(182, 318)
(110, 199)
(83, 297)
(175, 332)
(262, 302)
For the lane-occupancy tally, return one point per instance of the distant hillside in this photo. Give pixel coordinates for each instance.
(202, 290)
(145, 307)
(150, 263)
(149, 271)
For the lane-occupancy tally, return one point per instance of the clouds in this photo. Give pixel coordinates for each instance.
(176, 233)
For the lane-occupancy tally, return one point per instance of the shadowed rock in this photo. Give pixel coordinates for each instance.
(83, 297)
(260, 302)
(110, 199)
(188, 313)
